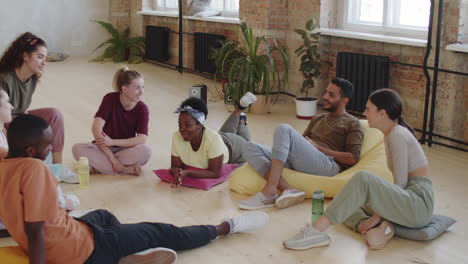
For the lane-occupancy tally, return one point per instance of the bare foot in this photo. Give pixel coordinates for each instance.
(134, 169)
(92, 170)
(368, 224)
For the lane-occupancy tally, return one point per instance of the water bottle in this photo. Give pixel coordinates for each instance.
(83, 172)
(318, 201)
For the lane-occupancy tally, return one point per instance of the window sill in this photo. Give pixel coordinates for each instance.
(219, 19)
(372, 37)
(457, 47)
(159, 13)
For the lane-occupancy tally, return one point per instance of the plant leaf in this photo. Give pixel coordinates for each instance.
(109, 28)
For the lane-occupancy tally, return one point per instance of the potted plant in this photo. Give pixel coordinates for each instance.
(223, 57)
(310, 67)
(251, 67)
(121, 47)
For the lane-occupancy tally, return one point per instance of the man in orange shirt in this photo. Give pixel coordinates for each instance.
(30, 211)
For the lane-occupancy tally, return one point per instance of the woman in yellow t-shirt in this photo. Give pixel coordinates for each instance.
(198, 146)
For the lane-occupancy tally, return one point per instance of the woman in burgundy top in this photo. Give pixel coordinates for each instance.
(120, 129)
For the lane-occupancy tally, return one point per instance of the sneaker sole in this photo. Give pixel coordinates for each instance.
(247, 207)
(321, 244)
(158, 256)
(70, 182)
(289, 201)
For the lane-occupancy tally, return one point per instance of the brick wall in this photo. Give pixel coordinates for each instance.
(451, 105)
(278, 18)
(189, 26)
(119, 13)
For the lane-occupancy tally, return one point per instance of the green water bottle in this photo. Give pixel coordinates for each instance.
(318, 201)
(83, 172)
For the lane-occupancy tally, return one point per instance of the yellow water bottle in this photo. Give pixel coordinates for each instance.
(83, 172)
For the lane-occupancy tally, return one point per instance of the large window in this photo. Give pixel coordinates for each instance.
(166, 4)
(228, 7)
(401, 17)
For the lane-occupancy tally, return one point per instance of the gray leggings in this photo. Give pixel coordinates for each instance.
(294, 150)
(366, 193)
(234, 135)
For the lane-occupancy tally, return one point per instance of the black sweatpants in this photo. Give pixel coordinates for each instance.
(114, 240)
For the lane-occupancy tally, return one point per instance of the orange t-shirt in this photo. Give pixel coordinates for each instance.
(28, 193)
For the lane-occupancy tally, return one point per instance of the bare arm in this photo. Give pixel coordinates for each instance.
(36, 243)
(98, 125)
(213, 172)
(176, 166)
(100, 137)
(177, 171)
(130, 142)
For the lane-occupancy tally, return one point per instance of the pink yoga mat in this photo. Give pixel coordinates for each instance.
(204, 184)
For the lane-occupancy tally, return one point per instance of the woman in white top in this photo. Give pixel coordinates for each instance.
(370, 204)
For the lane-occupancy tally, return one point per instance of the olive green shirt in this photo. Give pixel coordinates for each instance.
(341, 133)
(20, 92)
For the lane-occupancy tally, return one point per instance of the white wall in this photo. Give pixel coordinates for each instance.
(64, 24)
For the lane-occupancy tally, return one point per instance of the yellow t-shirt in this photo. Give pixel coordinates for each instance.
(212, 146)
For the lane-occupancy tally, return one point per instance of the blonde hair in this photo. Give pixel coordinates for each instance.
(124, 76)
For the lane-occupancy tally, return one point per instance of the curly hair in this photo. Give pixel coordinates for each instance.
(13, 57)
(196, 104)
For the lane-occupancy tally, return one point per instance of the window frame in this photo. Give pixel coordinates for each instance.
(228, 12)
(161, 5)
(350, 15)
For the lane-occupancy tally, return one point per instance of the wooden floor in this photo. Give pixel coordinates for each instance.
(76, 88)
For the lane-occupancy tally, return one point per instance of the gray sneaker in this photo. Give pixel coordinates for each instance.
(258, 201)
(289, 198)
(308, 237)
(153, 255)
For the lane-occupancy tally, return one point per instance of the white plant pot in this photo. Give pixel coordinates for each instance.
(306, 109)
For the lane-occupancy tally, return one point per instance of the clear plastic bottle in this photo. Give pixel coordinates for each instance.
(318, 201)
(83, 172)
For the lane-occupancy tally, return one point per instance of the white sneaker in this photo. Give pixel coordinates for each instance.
(308, 237)
(289, 198)
(68, 176)
(248, 222)
(151, 256)
(247, 99)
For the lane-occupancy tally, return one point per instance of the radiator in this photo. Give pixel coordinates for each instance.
(157, 43)
(203, 44)
(367, 73)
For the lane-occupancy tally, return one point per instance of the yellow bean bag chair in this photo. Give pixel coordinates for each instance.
(13, 255)
(245, 180)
